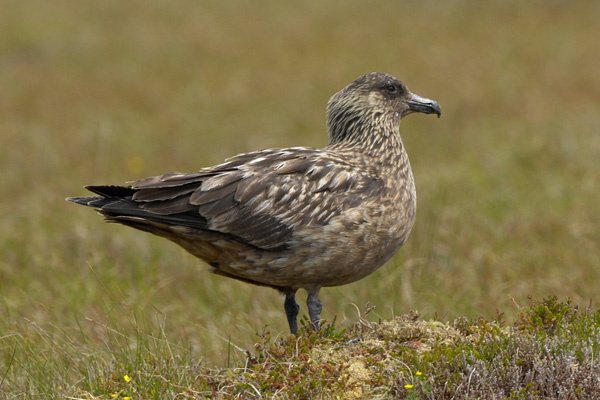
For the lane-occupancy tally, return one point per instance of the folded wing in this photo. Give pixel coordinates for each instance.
(259, 197)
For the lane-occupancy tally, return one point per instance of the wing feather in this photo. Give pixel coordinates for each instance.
(169, 207)
(259, 197)
(166, 193)
(202, 196)
(170, 179)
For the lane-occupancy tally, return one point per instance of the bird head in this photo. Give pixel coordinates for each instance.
(373, 100)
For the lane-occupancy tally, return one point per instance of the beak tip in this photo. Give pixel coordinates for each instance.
(437, 109)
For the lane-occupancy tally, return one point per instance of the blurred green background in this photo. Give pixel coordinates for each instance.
(109, 92)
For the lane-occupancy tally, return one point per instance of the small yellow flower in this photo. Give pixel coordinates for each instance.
(408, 386)
(127, 378)
(126, 398)
(113, 395)
(419, 373)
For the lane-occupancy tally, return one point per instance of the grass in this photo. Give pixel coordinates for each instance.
(509, 204)
(549, 351)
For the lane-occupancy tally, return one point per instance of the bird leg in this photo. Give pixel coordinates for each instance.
(314, 308)
(291, 311)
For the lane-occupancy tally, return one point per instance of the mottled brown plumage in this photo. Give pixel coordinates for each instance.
(292, 218)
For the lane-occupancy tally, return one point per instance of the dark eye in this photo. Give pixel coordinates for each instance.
(392, 89)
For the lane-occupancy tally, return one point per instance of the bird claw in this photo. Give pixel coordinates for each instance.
(317, 323)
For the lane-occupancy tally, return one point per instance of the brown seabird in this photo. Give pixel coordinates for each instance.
(292, 218)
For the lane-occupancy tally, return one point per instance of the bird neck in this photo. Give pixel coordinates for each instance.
(370, 135)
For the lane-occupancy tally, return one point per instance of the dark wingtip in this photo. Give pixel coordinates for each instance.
(105, 194)
(112, 191)
(84, 201)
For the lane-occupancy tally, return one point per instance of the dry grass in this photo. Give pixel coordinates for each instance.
(509, 203)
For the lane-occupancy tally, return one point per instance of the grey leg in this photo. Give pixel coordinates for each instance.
(291, 311)
(314, 308)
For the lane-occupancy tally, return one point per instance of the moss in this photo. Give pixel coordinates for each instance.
(536, 357)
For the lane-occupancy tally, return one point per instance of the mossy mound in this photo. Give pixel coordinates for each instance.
(551, 351)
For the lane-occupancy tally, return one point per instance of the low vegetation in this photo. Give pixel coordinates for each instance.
(549, 352)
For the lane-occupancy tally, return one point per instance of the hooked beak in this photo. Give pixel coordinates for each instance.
(423, 105)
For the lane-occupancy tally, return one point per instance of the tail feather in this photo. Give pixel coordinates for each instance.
(117, 205)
